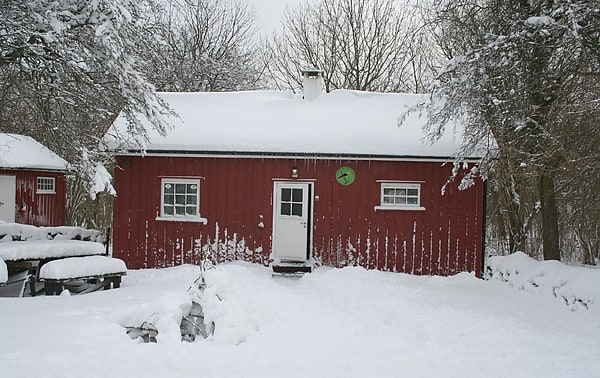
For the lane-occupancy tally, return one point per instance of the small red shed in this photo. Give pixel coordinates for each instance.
(270, 177)
(32, 182)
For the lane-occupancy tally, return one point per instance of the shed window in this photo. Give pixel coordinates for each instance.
(46, 185)
(180, 199)
(400, 196)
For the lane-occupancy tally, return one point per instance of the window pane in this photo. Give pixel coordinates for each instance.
(180, 199)
(297, 195)
(286, 194)
(400, 195)
(45, 184)
(285, 209)
(297, 209)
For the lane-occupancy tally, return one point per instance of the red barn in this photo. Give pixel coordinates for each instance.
(273, 178)
(32, 182)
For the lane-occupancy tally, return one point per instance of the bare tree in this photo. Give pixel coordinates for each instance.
(359, 44)
(526, 72)
(67, 68)
(202, 45)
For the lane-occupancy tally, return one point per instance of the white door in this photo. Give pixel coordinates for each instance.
(8, 187)
(292, 209)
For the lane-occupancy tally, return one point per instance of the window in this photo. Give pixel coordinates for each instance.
(46, 185)
(180, 200)
(291, 201)
(400, 196)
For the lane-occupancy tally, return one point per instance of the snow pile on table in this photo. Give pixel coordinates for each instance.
(3, 272)
(26, 242)
(576, 286)
(24, 232)
(42, 249)
(87, 266)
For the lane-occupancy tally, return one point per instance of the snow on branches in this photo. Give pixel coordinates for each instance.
(70, 67)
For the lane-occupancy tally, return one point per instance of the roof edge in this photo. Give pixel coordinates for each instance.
(292, 155)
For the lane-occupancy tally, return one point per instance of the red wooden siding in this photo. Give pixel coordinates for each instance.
(236, 198)
(39, 209)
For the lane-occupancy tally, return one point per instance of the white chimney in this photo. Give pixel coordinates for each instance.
(312, 81)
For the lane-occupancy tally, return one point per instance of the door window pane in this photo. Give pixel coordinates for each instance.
(297, 195)
(292, 201)
(297, 209)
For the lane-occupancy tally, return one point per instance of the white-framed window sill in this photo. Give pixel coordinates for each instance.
(45, 192)
(183, 219)
(404, 208)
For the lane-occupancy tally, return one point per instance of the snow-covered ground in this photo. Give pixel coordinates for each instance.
(332, 323)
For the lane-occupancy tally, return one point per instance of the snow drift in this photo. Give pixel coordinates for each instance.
(578, 287)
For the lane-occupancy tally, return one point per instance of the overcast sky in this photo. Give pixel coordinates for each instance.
(269, 13)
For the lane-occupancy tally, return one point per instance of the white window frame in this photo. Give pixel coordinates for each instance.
(45, 185)
(196, 217)
(399, 206)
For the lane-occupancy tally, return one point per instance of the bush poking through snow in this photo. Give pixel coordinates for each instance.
(578, 287)
(145, 333)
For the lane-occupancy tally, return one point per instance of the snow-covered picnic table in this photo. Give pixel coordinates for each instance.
(104, 271)
(24, 232)
(57, 256)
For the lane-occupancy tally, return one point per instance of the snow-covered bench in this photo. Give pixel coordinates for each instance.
(96, 272)
(27, 248)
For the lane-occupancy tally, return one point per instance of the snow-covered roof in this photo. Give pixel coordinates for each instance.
(23, 152)
(342, 122)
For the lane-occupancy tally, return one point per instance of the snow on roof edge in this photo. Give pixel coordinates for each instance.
(288, 155)
(20, 152)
